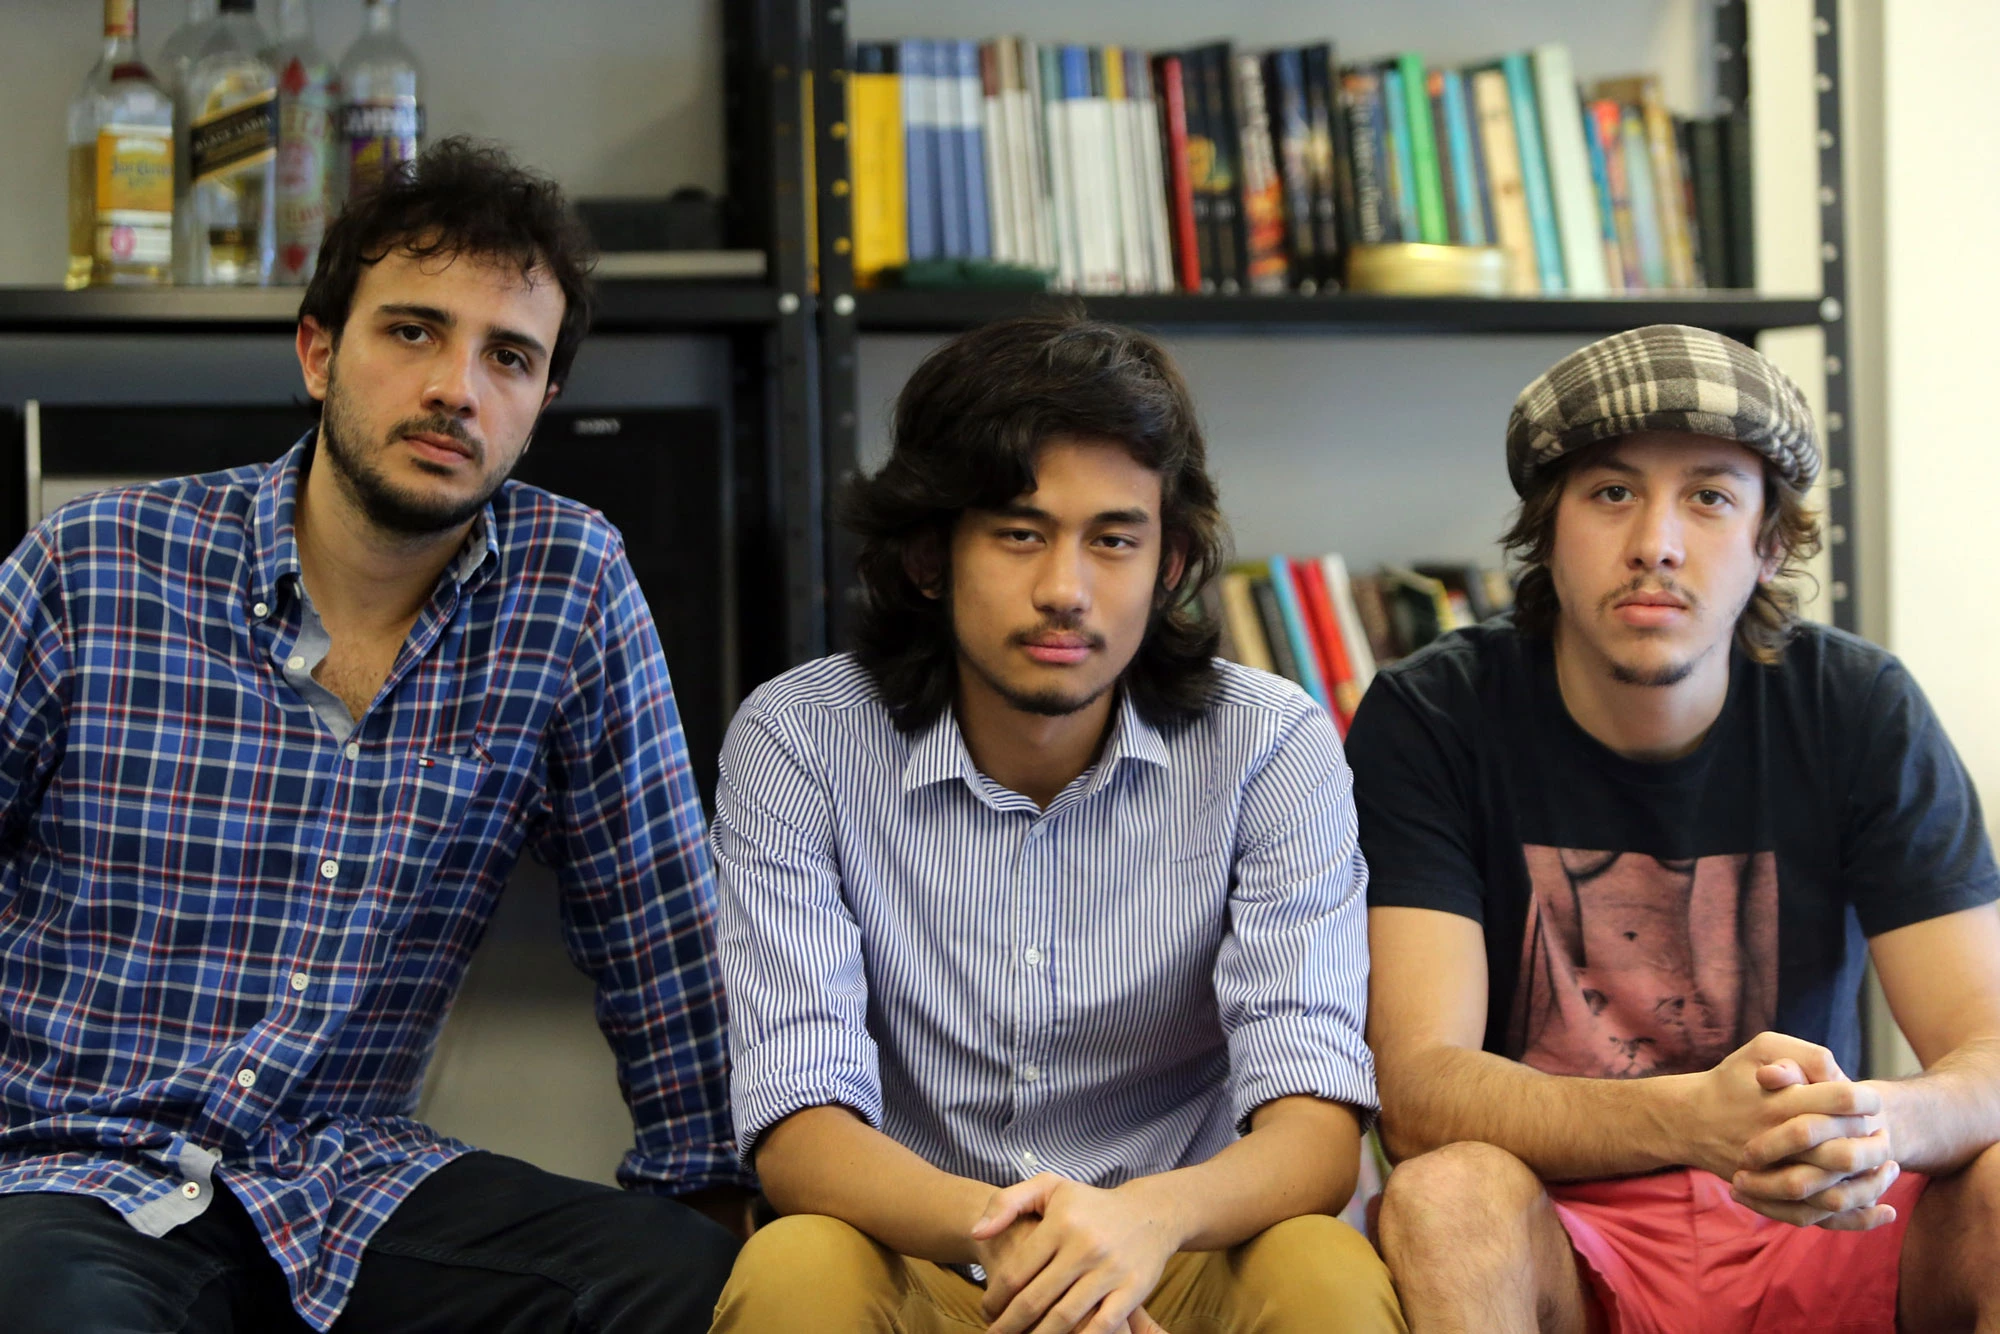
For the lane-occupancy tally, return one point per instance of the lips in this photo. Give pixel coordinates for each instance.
(1060, 649)
(441, 444)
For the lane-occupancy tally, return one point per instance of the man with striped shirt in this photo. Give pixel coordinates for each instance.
(1042, 928)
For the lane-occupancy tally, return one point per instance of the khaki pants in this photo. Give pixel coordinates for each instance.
(809, 1274)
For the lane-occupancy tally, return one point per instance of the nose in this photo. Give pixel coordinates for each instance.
(1062, 582)
(1657, 540)
(450, 390)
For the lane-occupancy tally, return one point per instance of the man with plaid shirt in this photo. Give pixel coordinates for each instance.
(1630, 852)
(270, 742)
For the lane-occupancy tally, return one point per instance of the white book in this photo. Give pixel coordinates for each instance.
(1153, 154)
(1032, 136)
(1135, 256)
(1063, 206)
(1353, 635)
(999, 153)
(1570, 181)
(1090, 186)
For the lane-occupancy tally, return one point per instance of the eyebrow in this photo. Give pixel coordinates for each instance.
(1694, 472)
(446, 320)
(1018, 510)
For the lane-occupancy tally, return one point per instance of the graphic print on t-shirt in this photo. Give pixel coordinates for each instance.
(1635, 966)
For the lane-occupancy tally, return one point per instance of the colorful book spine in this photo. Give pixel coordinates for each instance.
(1465, 172)
(1653, 266)
(1607, 218)
(875, 114)
(1374, 211)
(1606, 122)
(1153, 175)
(1534, 172)
(1185, 209)
(1225, 172)
(1303, 653)
(1568, 167)
(1433, 222)
(920, 150)
(972, 147)
(1340, 588)
(1265, 268)
(1401, 160)
(1055, 120)
(1336, 670)
(1291, 134)
(1441, 136)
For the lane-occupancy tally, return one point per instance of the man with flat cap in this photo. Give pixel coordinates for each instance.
(1631, 849)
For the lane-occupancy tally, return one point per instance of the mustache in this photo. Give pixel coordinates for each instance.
(1649, 584)
(1062, 625)
(439, 424)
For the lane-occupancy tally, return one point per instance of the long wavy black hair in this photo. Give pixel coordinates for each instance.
(967, 426)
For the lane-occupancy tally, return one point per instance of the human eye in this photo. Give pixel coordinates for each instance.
(1711, 498)
(1118, 541)
(510, 359)
(1615, 492)
(411, 334)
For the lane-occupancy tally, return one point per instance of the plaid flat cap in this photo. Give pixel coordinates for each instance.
(1664, 377)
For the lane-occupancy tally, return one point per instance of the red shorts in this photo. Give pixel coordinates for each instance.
(1671, 1253)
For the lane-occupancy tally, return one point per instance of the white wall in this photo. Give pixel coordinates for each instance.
(1941, 199)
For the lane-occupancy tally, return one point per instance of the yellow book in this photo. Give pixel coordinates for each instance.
(1245, 630)
(875, 148)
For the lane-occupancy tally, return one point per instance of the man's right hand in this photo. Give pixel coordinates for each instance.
(1798, 1140)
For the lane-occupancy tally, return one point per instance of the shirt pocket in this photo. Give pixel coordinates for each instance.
(427, 820)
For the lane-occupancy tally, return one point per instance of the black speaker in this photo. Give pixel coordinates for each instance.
(657, 474)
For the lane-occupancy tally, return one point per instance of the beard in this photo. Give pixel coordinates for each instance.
(1663, 675)
(1042, 703)
(390, 507)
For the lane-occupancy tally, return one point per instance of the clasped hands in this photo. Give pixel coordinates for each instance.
(1796, 1139)
(1062, 1256)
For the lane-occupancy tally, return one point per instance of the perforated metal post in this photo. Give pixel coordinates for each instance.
(839, 419)
(1833, 313)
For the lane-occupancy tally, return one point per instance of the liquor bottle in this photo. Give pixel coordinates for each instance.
(308, 100)
(231, 105)
(175, 58)
(382, 115)
(177, 54)
(121, 165)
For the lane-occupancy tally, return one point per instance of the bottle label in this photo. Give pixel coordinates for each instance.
(305, 141)
(135, 194)
(242, 136)
(378, 135)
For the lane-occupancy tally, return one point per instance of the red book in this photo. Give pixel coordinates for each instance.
(1180, 183)
(1341, 686)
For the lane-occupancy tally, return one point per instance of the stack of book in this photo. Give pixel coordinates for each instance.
(1110, 170)
(1308, 619)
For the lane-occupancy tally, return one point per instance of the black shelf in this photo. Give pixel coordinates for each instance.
(1738, 314)
(631, 307)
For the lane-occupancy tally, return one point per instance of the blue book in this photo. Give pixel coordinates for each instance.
(1639, 179)
(1535, 172)
(1607, 220)
(1303, 648)
(1464, 171)
(1402, 160)
(972, 148)
(954, 210)
(1479, 167)
(920, 174)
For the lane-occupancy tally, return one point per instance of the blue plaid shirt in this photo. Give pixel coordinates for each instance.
(230, 926)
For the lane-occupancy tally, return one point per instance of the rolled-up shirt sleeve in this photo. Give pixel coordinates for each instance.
(1291, 979)
(790, 944)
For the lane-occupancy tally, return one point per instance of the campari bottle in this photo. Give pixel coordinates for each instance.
(382, 109)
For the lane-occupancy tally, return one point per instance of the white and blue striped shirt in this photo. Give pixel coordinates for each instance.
(1103, 990)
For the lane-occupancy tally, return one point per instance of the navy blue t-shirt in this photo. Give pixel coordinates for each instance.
(1650, 918)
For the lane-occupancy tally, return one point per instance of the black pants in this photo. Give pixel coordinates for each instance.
(487, 1245)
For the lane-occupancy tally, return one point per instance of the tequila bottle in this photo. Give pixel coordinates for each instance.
(231, 105)
(308, 100)
(382, 115)
(121, 165)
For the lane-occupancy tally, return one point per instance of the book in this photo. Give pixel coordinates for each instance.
(1433, 223)
(1090, 178)
(1742, 196)
(1607, 218)
(1153, 179)
(1512, 230)
(1663, 152)
(971, 136)
(1337, 670)
(1187, 210)
(1577, 223)
(1239, 614)
(1534, 173)
(1441, 136)
(1465, 172)
(1340, 591)
(1327, 163)
(1297, 631)
(1272, 620)
(1711, 197)
(1291, 135)
(997, 167)
(1400, 156)
(1690, 209)
(1224, 171)
(1266, 268)
(1640, 178)
(1134, 255)
(1374, 211)
(1372, 607)
(925, 229)
(875, 159)
(1030, 133)
(1056, 138)
(1606, 122)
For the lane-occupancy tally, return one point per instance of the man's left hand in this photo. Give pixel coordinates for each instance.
(1094, 1258)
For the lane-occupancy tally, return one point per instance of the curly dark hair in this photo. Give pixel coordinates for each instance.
(458, 197)
(967, 426)
(1787, 530)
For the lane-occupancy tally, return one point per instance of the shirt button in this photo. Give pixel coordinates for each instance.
(260, 610)
(1028, 1157)
(1030, 1073)
(329, 868)
(297, 663)
(353, 750)
(192, 1190)
(246, 1078)
(1031, 957)
(300, 981)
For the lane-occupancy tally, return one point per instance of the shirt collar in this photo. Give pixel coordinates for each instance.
(939, 755)
(277, 533)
